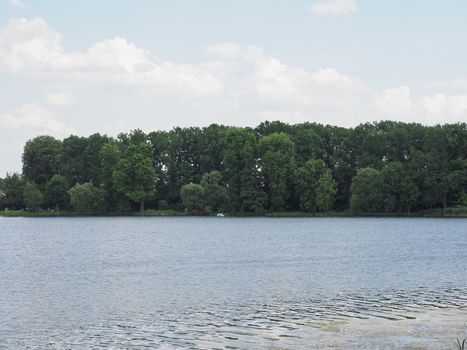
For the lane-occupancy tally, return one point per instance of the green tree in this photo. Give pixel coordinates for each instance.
(56, 192)
(193, 197)
(325, 191)
(315, 186)
(134, 175)
(72, 165)
(369, 192)
(13, 189)
(277, 156)
(216, 196)
(308, 144)
(41, 159)
(400, 186)
(87, 197)
(92, 159)
(241, 172)
(33, 197)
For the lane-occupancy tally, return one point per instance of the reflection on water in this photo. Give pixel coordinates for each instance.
(238, 284)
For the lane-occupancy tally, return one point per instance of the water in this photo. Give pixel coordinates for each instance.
(206, 283)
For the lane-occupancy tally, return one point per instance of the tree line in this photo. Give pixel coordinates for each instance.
(375, 167)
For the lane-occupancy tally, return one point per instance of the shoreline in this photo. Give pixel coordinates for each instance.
(450, 213)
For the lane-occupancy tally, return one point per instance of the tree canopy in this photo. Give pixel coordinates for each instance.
(375, 167)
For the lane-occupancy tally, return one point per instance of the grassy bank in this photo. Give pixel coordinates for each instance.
(449, 213)
(150, 212)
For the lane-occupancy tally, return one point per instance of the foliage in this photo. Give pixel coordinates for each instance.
(134, 175)
(325, 191)
(33, 198)
(193, 197)
(12, 196)
(384, 167)
(86, 197)
(241, 171)
(41, 159)
(315, 186)
(368, 192)
(277, 161)
(163, 205)
(216, 196)
(56, 192)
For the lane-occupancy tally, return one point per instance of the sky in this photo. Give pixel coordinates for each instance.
(110, 66)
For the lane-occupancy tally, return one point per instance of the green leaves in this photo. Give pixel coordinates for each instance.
(277, 161)
(193, 197)
(315, 186)
(134, 175)
(375, 167)
(56, 192)
(86, 197)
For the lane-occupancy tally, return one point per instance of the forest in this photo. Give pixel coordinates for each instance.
(381, 167)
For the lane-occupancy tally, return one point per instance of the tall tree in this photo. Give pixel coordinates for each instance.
(325, 191)
(134, 175)
(400, 186)
(56, 192)
(72, 165)
(41, 159)
(13, 192)
(216, 196)
(241, 172)
(92, 160)
(315, 186)
(277, 161)
(33, 197)
(369, 192)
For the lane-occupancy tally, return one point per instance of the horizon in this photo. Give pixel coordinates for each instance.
(157, 66)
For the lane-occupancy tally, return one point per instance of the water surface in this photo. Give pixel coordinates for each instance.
(204, 283)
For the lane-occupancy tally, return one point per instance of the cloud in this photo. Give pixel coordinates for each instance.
(394, 102)
(16, 3)
(33, 116)
(397, 103)
(334, 7)
(272, 83)
(33, 49)
(439, 105)
(60, 99)
(243, 83)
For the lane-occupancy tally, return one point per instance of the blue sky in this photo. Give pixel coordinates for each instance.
(109, 66)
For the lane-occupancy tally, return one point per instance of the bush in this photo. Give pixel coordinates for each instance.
(163, 205)
(86, 197)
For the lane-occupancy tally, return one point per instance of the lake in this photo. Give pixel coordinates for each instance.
(246, 283)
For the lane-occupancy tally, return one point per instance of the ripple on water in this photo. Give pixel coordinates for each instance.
(280, 325)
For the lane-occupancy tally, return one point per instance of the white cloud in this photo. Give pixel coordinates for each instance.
(16, 3)
(440, 105)
(394, 102)
(33, 116)
(398, 104)
(241, 83)
(274, 84)
(334, 7)
(32, 48)
(60, 98)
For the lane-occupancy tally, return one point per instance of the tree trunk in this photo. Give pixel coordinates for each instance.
(141, 205)
(57, 208)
